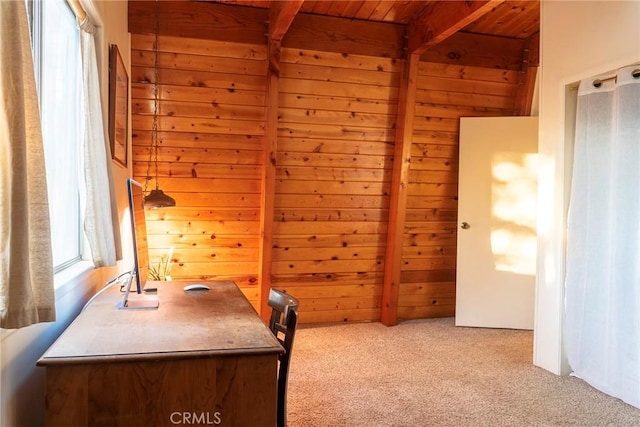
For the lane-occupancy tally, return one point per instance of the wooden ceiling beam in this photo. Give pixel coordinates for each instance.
(527, 78)
(399, 190)
(532, 46)
(346, 36)
(281, 16)
(199, 20)
(441, 19)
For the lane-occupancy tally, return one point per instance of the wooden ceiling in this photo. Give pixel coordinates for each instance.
(510, 18)
(384, 28)
(497, 33)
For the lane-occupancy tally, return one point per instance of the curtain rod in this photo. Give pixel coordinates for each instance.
(77, 9)
(598, 82)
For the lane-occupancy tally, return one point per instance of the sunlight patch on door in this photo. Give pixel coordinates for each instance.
(513, 220)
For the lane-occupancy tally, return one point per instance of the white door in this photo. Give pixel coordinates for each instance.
(496, 259)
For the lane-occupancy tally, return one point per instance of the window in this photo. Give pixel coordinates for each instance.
(56, 52)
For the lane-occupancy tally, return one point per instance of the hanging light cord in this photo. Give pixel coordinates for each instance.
(153, 151)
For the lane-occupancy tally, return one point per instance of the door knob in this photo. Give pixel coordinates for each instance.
(465, 225)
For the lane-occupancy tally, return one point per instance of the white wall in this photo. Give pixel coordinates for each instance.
(114, 30)
(21, 382)
(579, 39)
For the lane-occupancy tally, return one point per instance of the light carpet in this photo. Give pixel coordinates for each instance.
(431, 373)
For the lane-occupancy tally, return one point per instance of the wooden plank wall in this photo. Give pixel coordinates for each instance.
(335, 143)
(211, 126)
(338, 97)
(460, 77)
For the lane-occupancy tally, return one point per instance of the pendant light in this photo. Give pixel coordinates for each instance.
(155, 198)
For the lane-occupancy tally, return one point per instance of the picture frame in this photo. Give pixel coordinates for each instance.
(118, 107)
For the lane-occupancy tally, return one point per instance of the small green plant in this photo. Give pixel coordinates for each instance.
(162, 269)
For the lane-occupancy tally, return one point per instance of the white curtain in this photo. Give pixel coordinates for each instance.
(603, 247)
(26, 266)
(101, 218)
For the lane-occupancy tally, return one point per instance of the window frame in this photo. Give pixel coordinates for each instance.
(36, 14)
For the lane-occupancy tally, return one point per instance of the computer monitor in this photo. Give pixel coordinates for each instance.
(139, 234)
(140, 270)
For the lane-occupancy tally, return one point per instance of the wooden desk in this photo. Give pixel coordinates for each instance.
(202, 357)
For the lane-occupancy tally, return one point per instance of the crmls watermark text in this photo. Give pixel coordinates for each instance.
(196, 418)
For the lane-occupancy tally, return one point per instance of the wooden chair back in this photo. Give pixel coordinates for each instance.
(283, 322)
(281, 303)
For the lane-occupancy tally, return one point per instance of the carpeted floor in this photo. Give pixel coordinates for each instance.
(430, 373)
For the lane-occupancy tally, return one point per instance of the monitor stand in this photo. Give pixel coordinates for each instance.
(139, 302)
(135, 301)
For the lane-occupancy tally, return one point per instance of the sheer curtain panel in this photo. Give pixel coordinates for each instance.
(26, 266)
(603, 244)
(101, 218)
